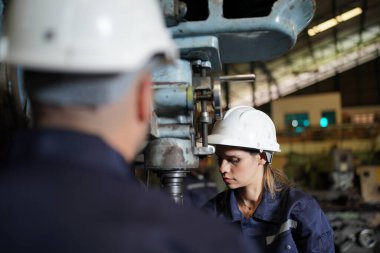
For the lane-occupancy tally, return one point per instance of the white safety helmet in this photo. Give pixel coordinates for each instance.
(87, 36)
(244, 126)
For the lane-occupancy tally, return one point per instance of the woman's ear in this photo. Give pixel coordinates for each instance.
(263, 158)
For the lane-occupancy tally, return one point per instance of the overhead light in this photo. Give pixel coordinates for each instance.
(334, 21)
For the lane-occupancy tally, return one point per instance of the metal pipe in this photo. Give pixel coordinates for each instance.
(204, 121)
(238, 78)
(172, 183)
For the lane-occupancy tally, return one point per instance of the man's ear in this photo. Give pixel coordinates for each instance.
(144, 97)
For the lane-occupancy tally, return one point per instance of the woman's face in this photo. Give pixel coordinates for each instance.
(239, 168)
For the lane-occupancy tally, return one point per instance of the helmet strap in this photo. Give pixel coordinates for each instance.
(268, 156)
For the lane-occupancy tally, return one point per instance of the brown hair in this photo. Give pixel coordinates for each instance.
(275, 180)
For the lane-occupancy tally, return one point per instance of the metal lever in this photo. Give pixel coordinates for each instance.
(238, 78)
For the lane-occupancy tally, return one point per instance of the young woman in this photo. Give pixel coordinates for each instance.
(259, 200)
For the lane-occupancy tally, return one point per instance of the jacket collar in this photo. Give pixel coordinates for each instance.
(236, 214)
(270, 209)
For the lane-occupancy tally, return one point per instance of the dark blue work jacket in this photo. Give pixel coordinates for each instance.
(65, 191)
(198, 189)
(291, 222)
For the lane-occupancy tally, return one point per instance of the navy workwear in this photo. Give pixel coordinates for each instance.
(198, 189)
(290, 222)
(69, 192)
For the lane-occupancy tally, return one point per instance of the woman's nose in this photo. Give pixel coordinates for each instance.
(224, 167)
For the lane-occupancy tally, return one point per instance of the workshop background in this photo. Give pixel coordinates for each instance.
(324, 98)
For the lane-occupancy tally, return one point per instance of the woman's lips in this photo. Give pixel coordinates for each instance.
(227, 180)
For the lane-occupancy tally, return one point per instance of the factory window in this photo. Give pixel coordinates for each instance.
(364, 118)
(327, 118)
(296, 122)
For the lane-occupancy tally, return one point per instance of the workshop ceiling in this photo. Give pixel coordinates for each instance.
(314, 58)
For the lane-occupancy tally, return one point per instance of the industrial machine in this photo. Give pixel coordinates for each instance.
(209, 33)
(187, 100)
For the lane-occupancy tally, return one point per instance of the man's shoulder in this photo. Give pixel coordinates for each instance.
(97, 207)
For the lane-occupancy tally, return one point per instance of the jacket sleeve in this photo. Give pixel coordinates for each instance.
(314, 232)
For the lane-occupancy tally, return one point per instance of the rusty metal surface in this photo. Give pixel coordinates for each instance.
(169, 154)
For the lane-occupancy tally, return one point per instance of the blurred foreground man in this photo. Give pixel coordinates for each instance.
(68, 186)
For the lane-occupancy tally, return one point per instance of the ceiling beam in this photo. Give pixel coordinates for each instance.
(362, 20)
(271, 80)
(335, 29)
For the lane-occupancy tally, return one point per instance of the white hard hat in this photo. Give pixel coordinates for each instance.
(87, 36)
(244, 126)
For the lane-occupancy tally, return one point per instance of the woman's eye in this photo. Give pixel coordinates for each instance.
(234, 161)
